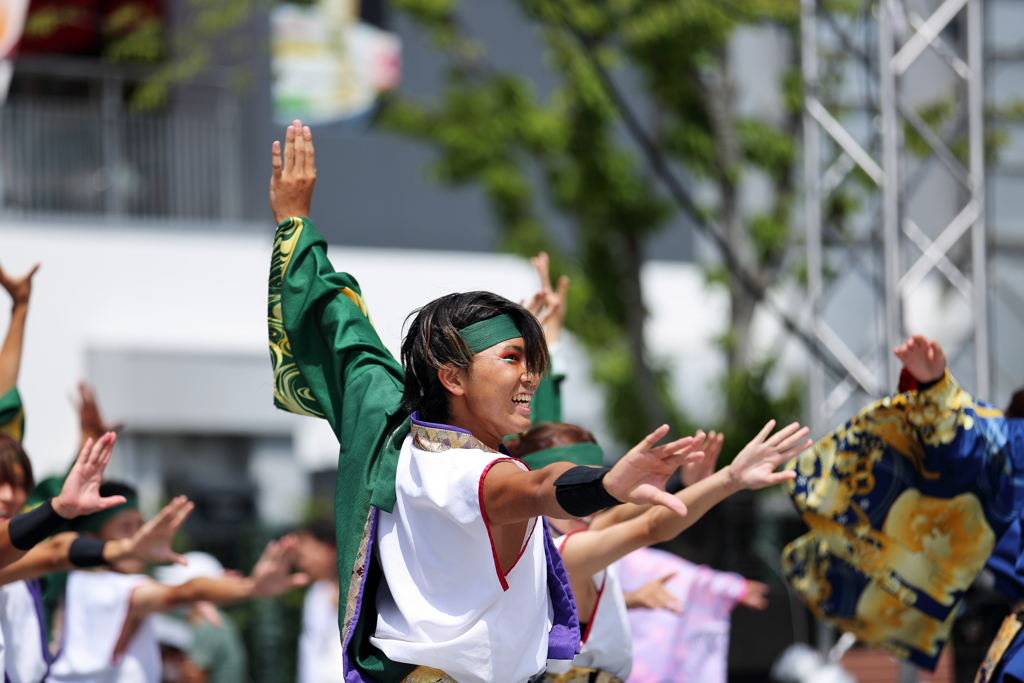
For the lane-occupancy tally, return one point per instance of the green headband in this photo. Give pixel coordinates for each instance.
(578, 453)
(94, 522)
(487, 333)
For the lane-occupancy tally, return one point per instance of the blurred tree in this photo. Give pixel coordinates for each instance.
(491, 129)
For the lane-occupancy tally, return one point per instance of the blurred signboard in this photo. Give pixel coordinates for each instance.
(12, 22)
(331, 60)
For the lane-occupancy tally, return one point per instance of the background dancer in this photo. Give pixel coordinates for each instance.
(320, 653)
(906, 503)
(590, 554)
(471, 363)
(215, 650)
(107, 633)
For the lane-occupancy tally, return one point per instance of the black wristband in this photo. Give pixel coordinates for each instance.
(580, 491)
(25, 530)
(87, 552)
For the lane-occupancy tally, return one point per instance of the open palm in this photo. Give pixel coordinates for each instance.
(152, 542)
(696, 469)
(641, 474)
(271, 576)
(923, 358)
(80, 494)
(754, 467)
(20, 288)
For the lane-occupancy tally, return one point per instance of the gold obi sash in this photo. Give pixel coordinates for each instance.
(579, 674)
(424, 674)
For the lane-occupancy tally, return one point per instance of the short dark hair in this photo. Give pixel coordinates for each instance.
(118, 488)
(322, 530)
(548, 435)
(433, 340)
(12, 453)
(1016, 407)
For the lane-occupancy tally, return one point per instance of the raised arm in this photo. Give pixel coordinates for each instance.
(322, 342)
(925, 360)
(91, 424)
(20, 289)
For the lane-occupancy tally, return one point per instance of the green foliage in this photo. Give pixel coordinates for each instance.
(752, 403)
(563, 152)
(767, 147)
(134, 34)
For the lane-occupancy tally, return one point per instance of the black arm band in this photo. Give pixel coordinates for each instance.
(580, 491)
(34, 526)
(87, 552)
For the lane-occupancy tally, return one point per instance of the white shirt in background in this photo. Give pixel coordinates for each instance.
(95, 608)
(320, 652)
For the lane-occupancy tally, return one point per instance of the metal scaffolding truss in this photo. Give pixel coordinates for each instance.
(851, 131)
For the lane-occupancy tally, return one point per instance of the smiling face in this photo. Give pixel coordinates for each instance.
(492, 398)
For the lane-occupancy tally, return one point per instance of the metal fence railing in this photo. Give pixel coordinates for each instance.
(96, 157)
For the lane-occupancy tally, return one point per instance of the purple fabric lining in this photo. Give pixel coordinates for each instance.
(564, 637)
(352, 674)
(35, 589)
(434, 425)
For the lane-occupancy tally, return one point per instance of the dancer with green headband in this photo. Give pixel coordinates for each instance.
(589, 551)
(446, 571)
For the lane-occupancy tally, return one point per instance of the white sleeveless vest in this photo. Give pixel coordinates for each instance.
(95, 608)
(445, 603)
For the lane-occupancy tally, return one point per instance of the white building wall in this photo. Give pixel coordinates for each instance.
(171, 326)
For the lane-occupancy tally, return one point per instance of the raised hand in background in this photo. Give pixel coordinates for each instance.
(20, 289)
(91, 424)
(548, 304)
(923, 358)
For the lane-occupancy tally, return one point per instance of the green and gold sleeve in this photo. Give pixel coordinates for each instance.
(322, 341)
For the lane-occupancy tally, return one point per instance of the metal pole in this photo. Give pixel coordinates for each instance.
(812, 199)
(976, 135)
(890, 189)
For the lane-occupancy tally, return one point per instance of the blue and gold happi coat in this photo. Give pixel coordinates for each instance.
(905, 503)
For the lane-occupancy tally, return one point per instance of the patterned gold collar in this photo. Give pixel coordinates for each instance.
(438, 439)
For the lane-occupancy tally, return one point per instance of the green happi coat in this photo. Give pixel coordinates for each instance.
(330, 363)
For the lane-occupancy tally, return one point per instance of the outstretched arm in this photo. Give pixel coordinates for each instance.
(151, 543)
(512, 495)
(20, 290)
(694, 470)
(269, 578)
(588, 552)
(79, 496)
